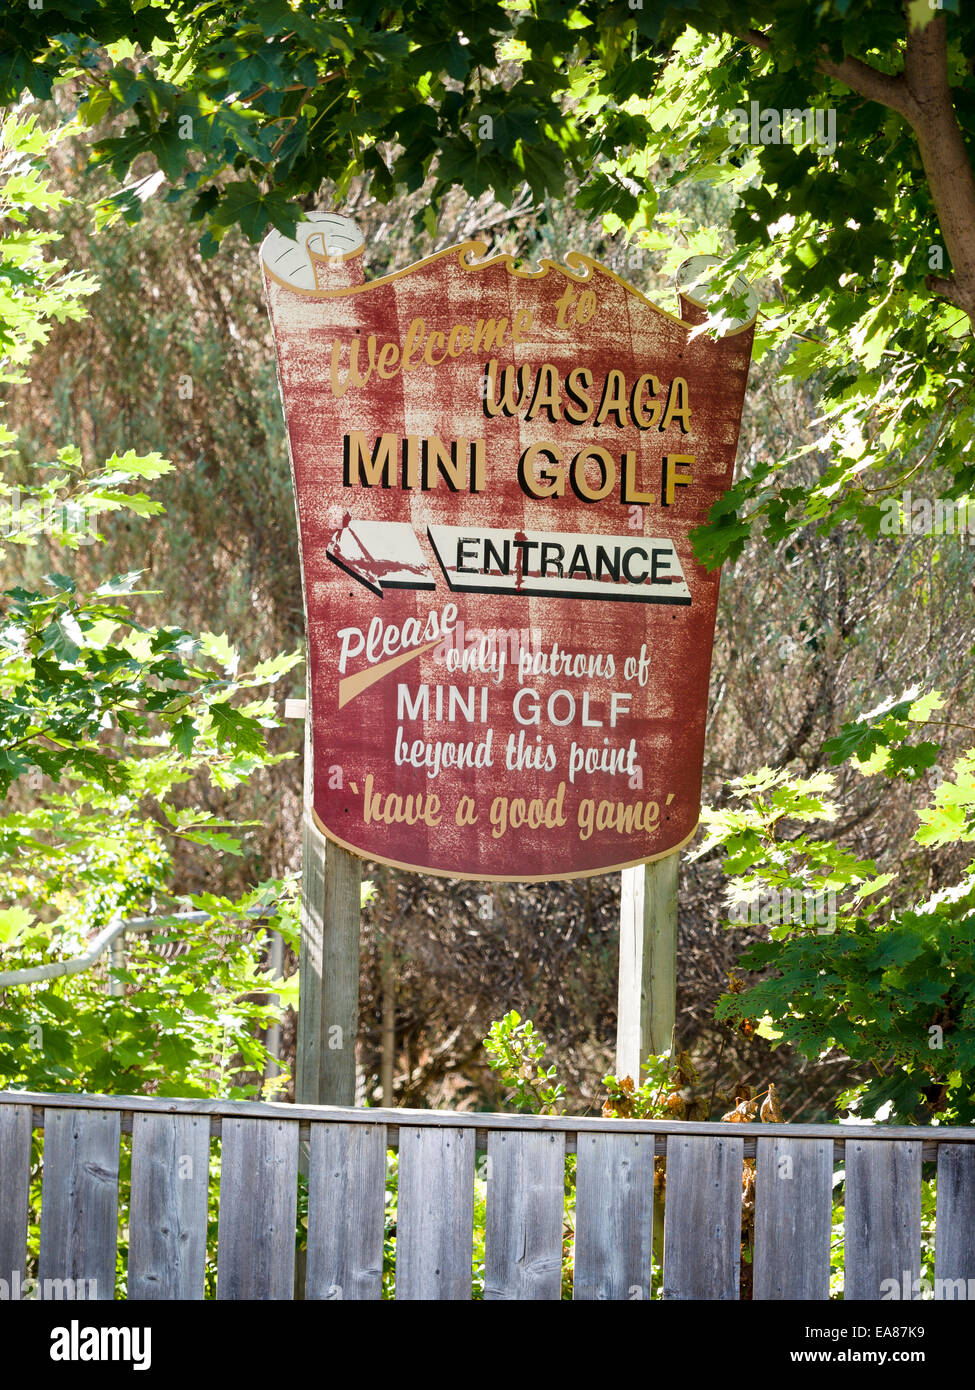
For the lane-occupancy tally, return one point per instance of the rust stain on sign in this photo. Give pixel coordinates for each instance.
(496, 474)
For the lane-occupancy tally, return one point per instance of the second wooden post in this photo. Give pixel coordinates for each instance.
(328, 1003)
(647, 1000)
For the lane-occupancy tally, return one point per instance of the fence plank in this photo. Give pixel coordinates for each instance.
(346, 1206)
(614, 1217)
(15, 1129)
(954, 1231)
(258, 1209)
(793, 1218)
(702, 1217)
(168, 1210)
(79, 1201)
(883, 1216)
(523, 1224)
(435, 1213)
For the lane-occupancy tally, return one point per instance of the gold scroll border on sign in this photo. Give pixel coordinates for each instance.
(499, 878)
(467, 250)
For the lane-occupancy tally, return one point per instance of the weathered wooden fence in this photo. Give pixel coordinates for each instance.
(344, 1155)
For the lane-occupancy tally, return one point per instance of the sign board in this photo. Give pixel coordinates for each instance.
(496, 472)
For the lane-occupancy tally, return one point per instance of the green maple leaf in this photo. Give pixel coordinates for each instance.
(235, 728)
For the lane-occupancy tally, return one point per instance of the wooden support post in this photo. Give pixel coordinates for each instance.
(328, 1005)
(647, 1001)
(117, 957)
(647, 1008)
(387, 968)
(272, 1041)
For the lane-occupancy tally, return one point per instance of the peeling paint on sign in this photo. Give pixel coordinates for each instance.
(496, 474)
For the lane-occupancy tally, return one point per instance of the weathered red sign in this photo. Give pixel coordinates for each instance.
(496, 473)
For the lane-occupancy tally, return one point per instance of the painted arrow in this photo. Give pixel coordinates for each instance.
(381, 555)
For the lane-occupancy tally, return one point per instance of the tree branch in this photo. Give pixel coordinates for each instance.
(943, 154)
(922, 94)
(890, 89)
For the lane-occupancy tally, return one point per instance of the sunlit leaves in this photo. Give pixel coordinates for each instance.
(516, 1051)
(103, 719)
(196, 999)
(894, 988)
(950, 819)
(878, 742)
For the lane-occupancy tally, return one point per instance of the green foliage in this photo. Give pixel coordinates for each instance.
(657, 1097)
(246, 110)
(250, 110)
(188, 1020)
(771, 855)
(886, 980)
(515, 1051)
(105, 720)
(950, 818)
(79, 665)
(878, 741)
(34, 288)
